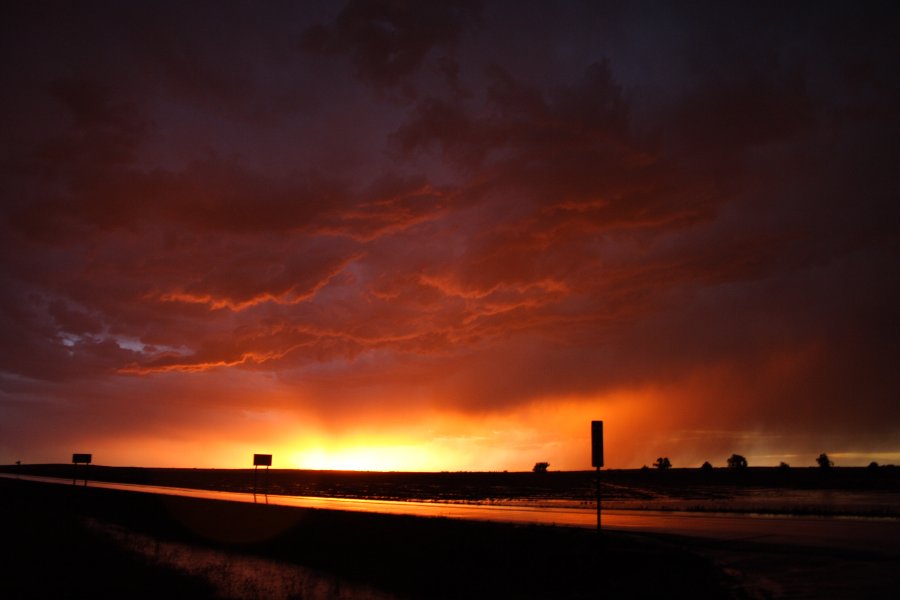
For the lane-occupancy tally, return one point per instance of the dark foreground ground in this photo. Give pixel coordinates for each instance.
(77, 542)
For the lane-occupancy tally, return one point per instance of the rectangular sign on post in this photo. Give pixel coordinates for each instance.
(262, 460)
(597, 443)
(81, 459)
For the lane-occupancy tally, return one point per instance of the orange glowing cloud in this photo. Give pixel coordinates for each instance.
(453, 250)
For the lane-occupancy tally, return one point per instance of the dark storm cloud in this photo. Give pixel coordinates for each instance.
(387, 41)
(474, 206)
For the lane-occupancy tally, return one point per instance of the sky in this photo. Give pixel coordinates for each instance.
(387, 235)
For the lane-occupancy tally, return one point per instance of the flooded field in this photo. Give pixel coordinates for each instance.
(775, 501)
(801, 491)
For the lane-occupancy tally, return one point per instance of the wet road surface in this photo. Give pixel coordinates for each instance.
(880, 535)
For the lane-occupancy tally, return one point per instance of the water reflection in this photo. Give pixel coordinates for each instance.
(579, 517)
(836, 532)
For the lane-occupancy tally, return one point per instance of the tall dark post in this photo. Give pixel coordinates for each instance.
(597, 458)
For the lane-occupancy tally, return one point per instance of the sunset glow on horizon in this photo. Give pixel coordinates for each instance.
(445, 236)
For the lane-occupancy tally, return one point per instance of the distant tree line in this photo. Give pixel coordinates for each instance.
(735, 461)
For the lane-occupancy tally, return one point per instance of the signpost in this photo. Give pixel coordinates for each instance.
(597, 458)
(77, 459)
(261, 460)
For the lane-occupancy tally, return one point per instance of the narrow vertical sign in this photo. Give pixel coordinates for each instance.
(597, 444)
(597, 458)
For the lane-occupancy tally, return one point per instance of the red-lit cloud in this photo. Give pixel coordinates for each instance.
(447, 225)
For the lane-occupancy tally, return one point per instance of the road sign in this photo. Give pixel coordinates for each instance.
(597, 443)
(597, 459)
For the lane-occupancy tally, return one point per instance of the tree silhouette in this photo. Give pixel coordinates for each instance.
(540, 467)
(736, 461)
(662, 463)
(873, 465)
(706, 466)
(783, 466)
(824, 462)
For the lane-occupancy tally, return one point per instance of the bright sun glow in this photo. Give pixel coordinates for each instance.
(363, 458)
(554, 430)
